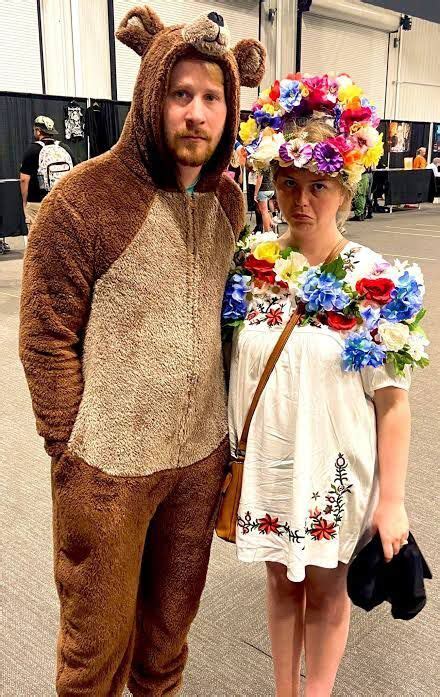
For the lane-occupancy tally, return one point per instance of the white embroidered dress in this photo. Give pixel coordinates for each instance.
(310, 474)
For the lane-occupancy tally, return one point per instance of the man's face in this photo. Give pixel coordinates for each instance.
(423, 152)
(194, 112)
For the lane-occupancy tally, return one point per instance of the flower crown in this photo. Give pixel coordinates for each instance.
(294, 100)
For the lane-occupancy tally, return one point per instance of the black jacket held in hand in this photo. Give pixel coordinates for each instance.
(371, 580)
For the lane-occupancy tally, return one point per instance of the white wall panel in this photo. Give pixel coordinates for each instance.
(418, 97)
(242, 18)
(94, 49)
(340, 47)
(19, 46)
(58, 47)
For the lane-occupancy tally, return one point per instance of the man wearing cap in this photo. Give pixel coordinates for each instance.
(44, 132)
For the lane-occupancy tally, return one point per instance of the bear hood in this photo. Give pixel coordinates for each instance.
(141, 145)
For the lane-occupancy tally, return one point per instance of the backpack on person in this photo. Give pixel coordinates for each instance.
(53, 163)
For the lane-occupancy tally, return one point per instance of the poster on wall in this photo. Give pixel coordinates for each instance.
(399, 136)
(436, 139)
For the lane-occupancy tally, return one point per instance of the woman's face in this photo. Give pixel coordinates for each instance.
(308, 200)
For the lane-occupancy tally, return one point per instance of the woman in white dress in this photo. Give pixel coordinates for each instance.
(317, 481)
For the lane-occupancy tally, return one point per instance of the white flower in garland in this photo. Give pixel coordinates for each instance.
(417, 343)
(393, 335)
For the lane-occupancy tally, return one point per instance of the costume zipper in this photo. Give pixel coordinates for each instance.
(193, 293)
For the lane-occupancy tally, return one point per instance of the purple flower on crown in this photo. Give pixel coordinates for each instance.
(290, 94)
(328, 159)
(337, 115)
(361, 351)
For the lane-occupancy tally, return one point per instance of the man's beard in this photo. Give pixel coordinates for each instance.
(191, 153)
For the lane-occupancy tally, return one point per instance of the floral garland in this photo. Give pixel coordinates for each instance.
(379, 316)
(356, 146)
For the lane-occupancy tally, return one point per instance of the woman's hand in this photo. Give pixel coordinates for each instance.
(391, 521)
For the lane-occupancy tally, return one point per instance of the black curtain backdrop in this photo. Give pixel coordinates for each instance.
(17, 115)
(435, 152)
(106, 124)
(419, 138)
(382, 128)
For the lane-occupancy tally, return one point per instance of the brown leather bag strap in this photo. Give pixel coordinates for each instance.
(288, 329)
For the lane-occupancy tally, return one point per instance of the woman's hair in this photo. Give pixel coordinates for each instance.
(317, 130)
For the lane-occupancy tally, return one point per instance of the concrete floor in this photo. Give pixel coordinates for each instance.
(229, 648)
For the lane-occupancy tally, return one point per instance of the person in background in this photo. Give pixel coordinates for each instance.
(251, 201)
(420, 159)
(362, 201)
(235, 169)
(264, 190)
(435, 164)
(31, 192)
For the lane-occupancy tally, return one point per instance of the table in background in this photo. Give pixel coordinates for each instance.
(399, 186)
(12, 220)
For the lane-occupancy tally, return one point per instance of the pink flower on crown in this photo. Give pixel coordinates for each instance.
(341, 143)
(319, 97)
(351, 116)
(295, 152)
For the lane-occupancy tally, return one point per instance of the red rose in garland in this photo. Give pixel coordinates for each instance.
(262, 269)
(336, 320)
(376, 289)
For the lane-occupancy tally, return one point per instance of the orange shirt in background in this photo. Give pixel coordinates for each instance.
(419, 162)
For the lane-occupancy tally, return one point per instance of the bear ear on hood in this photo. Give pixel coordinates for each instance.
(138, 29)
(251, 60)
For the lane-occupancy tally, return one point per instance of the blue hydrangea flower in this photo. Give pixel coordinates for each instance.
(234, 300)
(290, 94)
(406, 299)
(263, 119)
(360, 351)
(322, 291)
(371, 316)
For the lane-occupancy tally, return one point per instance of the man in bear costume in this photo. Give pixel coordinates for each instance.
(120, 340)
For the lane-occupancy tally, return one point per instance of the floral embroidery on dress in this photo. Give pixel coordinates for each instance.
(320, 527)
(266, 526)
(324, 528)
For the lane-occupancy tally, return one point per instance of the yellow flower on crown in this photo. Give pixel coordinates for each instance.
(264, 97)
(269, 251)
(373, 155)
(248, 131)
(269, 109)
(349, 92)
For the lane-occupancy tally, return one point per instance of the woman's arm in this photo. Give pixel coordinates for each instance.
(258, 182)
(393, 437)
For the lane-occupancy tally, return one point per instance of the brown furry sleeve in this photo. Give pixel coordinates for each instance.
(231, 200)
(55, 303)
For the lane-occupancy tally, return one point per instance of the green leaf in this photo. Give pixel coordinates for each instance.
(423, 362)
(336, 268)
(417, 319)
(235, 323)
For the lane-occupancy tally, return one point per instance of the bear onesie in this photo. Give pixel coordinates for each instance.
(120, 340)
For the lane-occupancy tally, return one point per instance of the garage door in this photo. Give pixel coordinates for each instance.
(242, 18)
